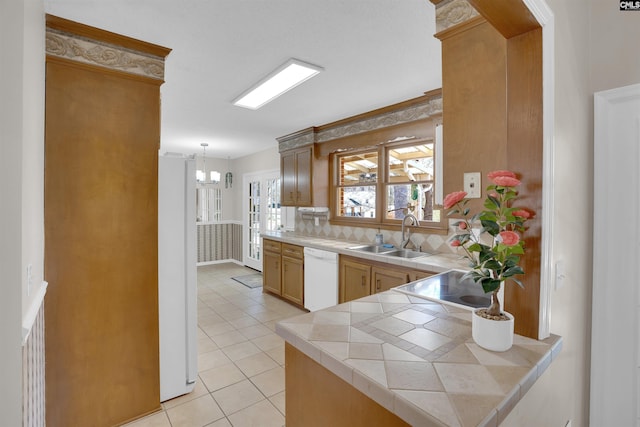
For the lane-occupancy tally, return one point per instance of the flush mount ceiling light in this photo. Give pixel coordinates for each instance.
(282, 79)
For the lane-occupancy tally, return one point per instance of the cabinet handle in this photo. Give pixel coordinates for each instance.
(291, 194)
(378, 284)
(363, 280)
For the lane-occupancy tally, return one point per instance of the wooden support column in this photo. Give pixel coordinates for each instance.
(102, 134)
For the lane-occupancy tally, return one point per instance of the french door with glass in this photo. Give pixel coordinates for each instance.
(262, 209)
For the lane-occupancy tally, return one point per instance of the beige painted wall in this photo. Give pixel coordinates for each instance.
(592, 52)
(613, 42)
(263, 161)
(228, 193)
(232, 197)
(21, 184)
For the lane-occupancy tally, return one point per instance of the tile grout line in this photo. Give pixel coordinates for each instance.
(219, 290)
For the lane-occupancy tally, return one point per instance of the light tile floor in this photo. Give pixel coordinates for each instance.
(240, 358)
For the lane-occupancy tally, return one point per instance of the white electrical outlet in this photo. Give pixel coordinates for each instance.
(472, 185)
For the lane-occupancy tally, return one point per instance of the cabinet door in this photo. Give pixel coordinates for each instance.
(271, 272)
(355, 280)
(385, 279)
(293, 279)
(303, 177)
(288, 178)
(417, 275)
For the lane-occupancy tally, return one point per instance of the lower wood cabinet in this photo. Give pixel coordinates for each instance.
(293, 273)
(283, 270)
(355, 279)
(360, 277)
(271, 272)
(383, 279)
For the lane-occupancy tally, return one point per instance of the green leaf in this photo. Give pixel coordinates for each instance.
(491, 227)
(491, 203)
(493, 264)
(490, 285)
(518, 282)
(476, 247)
(517, 249)
(516, 269)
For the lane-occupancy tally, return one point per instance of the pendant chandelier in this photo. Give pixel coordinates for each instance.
(201, 175)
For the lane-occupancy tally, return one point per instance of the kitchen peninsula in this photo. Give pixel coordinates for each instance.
(390, 359)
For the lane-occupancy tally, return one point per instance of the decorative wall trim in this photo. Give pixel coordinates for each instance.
(219, 241)
(80, 49)
(299, 139)
(430, 106)
(453, 12)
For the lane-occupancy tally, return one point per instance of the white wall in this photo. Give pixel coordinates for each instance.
(228, 194)
(265, 160)
(262, 161)
(593, 51)
(21, 183)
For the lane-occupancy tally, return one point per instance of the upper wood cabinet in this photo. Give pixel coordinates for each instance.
(304, 177)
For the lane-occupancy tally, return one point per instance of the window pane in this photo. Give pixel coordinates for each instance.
(419, 196)
(361, 168)
(411, 163)
(358, 201)
(208, 204)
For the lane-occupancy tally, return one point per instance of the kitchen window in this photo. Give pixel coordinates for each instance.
(381, 185)
(358, 185)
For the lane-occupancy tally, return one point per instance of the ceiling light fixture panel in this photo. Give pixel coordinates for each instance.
(282, 79)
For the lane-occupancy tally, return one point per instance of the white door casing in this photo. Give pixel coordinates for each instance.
(262, 212)
(615, 359)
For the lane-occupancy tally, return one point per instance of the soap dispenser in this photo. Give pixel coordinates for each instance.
(379, 239)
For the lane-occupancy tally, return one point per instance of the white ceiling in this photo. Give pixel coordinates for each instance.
(374, 52)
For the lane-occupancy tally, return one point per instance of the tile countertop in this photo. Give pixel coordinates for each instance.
(437, 263)
(416, 358)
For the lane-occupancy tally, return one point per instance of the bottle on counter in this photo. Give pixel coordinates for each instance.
(379, 238)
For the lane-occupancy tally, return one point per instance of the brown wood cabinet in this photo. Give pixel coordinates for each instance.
(304, 177)
(316, 397)
(283, 270)
(293, 273)
(383, 279)
(355, 279)
(360, 277)
(271, 267)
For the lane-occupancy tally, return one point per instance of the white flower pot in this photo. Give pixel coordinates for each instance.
(494, 335)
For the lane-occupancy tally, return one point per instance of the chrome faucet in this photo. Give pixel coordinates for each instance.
(414, 221)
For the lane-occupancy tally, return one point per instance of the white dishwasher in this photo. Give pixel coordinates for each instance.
(320, 279)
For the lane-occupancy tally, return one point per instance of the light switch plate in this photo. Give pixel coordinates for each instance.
(472, 185)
